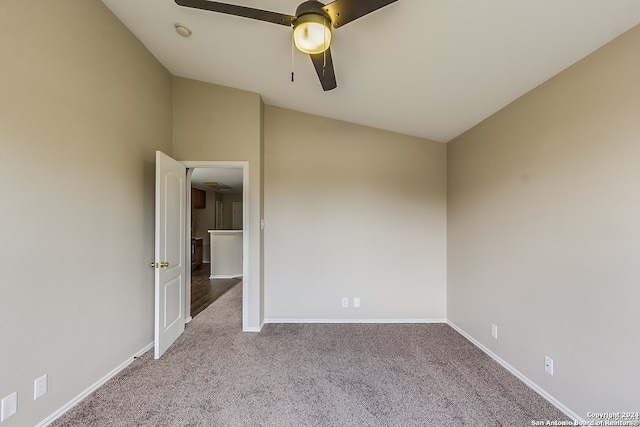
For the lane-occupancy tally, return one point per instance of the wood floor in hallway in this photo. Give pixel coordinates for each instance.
(204, 291)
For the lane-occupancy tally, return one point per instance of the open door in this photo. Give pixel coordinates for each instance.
(170, 254)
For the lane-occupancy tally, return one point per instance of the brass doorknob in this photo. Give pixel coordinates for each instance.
(163, 264)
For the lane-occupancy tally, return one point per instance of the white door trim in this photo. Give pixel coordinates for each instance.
(247, 235)
(187, 285)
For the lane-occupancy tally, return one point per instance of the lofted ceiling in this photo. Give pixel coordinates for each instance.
(427, 68)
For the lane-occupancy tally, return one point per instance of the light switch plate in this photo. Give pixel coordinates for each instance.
(40, 387)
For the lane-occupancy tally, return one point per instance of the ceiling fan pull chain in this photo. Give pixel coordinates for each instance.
(324, 53)
(324, 65)
(292, 56)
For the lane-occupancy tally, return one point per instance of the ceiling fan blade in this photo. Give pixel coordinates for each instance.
(324, 67)
(342, 12)
(246, 12)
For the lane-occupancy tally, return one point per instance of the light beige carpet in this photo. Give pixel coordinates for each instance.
(312, 375)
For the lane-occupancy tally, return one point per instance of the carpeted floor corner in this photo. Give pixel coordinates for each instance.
(312, 375)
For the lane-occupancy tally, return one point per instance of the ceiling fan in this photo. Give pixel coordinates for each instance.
(311, 25)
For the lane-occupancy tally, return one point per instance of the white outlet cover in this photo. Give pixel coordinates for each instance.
(356, 302)
(9, 406)
(345, 302)
(494, 331)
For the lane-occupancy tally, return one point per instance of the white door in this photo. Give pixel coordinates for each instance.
(170, 255)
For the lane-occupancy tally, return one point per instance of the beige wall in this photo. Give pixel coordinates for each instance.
(352, 211)
(217, 123)
(83, 108)
(544, 231)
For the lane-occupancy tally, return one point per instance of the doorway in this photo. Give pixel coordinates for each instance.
(220, 177)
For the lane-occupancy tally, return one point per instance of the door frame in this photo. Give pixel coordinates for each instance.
(246, 234)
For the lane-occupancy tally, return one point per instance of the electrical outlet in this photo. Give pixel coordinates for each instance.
(356, 302)
(548, 365)
(40, 387)
(494, 331)
(9, 406)
(345, 302)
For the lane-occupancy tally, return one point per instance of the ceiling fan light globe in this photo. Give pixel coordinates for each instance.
(312, 34)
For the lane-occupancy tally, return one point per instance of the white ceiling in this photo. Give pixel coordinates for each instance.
(231, 177)
(428, 68)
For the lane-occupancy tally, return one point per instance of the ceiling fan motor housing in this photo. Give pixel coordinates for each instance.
(312, 7)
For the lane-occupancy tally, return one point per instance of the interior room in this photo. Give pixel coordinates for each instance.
(479, 176)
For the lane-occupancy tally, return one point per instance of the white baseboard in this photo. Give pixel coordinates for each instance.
(226, 276)
(253, 328)
(355, 321)
(73, 402)
(555, 402)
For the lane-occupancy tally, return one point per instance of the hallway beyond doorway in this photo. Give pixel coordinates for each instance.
(204, 291)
